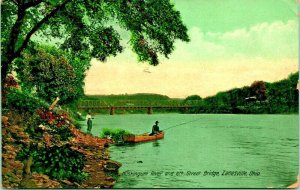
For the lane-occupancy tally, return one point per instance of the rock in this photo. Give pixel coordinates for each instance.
(8, 148)
(4, 132)
(15, 129)
(10, 140)
(25, 141)
(18, 165)
(111, 165)
(5, 171)
(23, 135)
(76, 184)
(44, 176)
(4, 121)
(110, 179)
(67, 182)
(47, 139)
(19, 172)
(46, 185)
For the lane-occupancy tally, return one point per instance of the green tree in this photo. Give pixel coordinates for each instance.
(88, 27)
(49, 72)
(258, 89)
(193, 97)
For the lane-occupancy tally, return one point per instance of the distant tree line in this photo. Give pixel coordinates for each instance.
(127, 97)
(259, 98)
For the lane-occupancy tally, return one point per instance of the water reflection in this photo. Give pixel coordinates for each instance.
(155, 144)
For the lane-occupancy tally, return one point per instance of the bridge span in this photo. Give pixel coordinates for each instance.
(148, 108)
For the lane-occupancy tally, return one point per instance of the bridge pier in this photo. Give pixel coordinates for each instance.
(112, 111)
(149, 110)
(186, 109)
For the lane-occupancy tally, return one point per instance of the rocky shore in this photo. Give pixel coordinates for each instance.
(18, 174)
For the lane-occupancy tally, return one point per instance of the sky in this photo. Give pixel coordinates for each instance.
(233, 43)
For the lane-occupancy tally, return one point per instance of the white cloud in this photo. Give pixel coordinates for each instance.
(266, 40)
(210, 63)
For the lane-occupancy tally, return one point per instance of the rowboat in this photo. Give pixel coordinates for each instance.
(143, 138)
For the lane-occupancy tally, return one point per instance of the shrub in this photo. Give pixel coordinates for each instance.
(58, 122)
(24, 101)
(116, 134)
(57, 162)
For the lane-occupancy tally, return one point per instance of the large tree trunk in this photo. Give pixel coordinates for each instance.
(5, 65)
(4, 71)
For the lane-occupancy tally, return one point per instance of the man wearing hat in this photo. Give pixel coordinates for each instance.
(89, 122)
(155, 129)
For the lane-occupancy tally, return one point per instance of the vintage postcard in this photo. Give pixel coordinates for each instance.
(149, 94)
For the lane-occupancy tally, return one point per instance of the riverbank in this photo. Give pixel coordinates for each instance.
(19, 169)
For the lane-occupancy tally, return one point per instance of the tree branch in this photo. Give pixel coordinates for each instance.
(32, 3)
(38, 25)
(15, 2)
(15, 33)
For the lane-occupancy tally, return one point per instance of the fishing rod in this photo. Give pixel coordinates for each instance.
(181, 124)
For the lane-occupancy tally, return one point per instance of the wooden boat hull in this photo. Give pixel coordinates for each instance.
(143, 138)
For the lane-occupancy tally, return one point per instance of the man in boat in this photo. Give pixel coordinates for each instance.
(155, 129)
(89, 122)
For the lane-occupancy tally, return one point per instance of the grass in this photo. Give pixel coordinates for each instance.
(115, 134)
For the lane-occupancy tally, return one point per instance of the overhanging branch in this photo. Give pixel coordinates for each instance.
(38, 26)
(32, 3)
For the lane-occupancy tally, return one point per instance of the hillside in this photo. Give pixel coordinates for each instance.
(278, 97)
(124, 97)
(281, 97)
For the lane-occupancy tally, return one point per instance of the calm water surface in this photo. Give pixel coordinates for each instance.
(264, 144)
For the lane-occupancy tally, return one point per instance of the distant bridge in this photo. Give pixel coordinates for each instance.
(113, 108)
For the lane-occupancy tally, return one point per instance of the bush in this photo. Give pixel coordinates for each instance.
(116, 134)
(24, 101)
(57, 162)
(59, 122)
(77, 124)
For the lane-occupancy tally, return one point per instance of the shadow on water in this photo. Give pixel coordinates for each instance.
(124, 146)
(155, 144)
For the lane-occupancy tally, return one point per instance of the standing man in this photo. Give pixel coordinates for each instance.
(89, 122)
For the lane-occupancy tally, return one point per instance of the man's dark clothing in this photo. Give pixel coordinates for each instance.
(155, 129)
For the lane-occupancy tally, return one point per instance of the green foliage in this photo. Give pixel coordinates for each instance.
(23, 101)
(77, 125)
(127, 97)
(115, 134)
(283, 95)
(63, 132)
(87, 28)
(193, 97)
(158, 30)
(31, 123)
(57, 162)
(58, 122)
(275, 98)
(47, 71)
(258, 89)
(193, 100)
(131, 100)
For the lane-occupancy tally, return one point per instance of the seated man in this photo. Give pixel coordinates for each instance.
(155, 129)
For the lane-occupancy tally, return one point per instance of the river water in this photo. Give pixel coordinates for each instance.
(209, 151)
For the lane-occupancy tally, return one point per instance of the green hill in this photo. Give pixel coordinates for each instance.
(279, 98)
(124, 97)
(276, 98)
